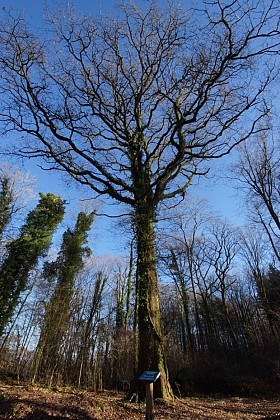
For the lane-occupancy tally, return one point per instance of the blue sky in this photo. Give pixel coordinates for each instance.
(34, 9)
(221, 196)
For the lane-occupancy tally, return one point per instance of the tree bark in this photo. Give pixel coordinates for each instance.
(150, 348)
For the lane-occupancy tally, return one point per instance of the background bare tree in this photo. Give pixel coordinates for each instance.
(258, 172)
(17, 192)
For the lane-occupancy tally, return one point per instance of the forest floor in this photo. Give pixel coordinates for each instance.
(34, 403)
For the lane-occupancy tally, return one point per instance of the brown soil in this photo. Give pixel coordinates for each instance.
(33, 403)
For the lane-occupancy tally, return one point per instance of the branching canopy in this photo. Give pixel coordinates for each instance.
(131, 106)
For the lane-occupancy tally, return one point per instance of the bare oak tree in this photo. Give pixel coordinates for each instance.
(132, 106)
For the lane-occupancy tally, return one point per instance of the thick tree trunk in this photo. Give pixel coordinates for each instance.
(150, 346)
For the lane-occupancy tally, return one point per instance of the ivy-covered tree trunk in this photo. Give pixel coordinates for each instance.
(23, 253)
(6, 200)
(64, 271)
(150, 348)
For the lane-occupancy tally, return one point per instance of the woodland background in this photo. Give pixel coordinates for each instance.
(74, 322)
(135, 107)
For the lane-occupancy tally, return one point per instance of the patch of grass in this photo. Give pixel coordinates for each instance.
(70, 388)
(100, 405)
(53, 389)
(17, 409)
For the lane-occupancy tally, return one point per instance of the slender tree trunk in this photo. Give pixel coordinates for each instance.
(150, 346)
(128, 287)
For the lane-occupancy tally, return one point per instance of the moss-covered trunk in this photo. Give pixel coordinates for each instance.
(150, 346)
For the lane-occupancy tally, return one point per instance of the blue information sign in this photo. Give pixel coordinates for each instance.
(149, 376)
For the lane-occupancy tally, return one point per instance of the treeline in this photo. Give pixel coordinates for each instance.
(71, 320)
(221, 322)
(221, 316)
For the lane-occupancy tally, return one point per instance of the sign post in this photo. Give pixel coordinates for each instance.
(149, 377)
